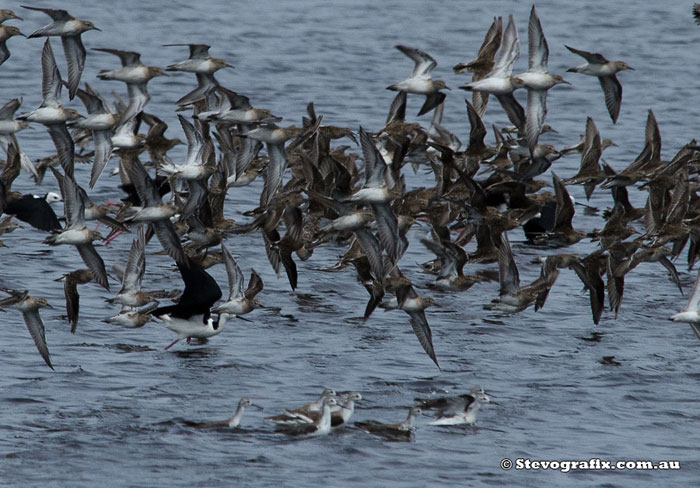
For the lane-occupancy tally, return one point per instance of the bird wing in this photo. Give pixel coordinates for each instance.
(255, 285)
(612, 89)
(421, 329)
(510, 51)
(424, 62)
(75, 56)
(507, 270)
(50, 77)
(235, 276)
(375, 167)
(94, 263)
(128, 58)
(592, 58)
(536, 112)
(37, 331)
(55, 14)
(65, 147)
(538, 50)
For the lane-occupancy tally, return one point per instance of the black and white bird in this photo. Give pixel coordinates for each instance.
(191, 316)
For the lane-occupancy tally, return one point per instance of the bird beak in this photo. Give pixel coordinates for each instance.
(96, 28)
(257, 407)
(23, 35)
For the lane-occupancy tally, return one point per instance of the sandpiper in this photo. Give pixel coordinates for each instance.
(100, 121)
(154, 211)
(537, 80)
(500, 82)
(6, 14)
(239, 302)
(7, 31)
(136, 75)
(70, 290)
(421, 82)
(204, 66)
(130, 294)
(70, 29)
(51, 113)
(596, 65)
(76, 233)
(29, 306)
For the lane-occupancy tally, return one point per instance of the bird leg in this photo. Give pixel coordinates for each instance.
(172, 344)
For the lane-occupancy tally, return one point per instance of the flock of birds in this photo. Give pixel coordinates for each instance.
(315, 191)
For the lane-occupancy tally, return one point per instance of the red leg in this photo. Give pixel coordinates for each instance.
(109, 241)
(172, 343)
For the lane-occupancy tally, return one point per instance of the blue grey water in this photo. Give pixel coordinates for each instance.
(111, 412)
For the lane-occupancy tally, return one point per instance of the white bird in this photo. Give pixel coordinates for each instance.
(537, 80)
(421, 82)
(691, 313)
(500, 82)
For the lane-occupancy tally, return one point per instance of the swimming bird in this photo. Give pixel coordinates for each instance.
(191, 316)
(537, 80)
(70, 29)
(136, 75)
(239, 302)
(7, 31)
(51, 113)
(70, 290)
(292, 417)
(398, 431)
(691, 313)
(75, 232)
(340, 413)
(500, 82)
(320, 426)
(232, 422)
(29, 306)
(458, 410)
(596, 65)
(421, 82)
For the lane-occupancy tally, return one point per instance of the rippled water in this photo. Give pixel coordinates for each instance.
(112, 410)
